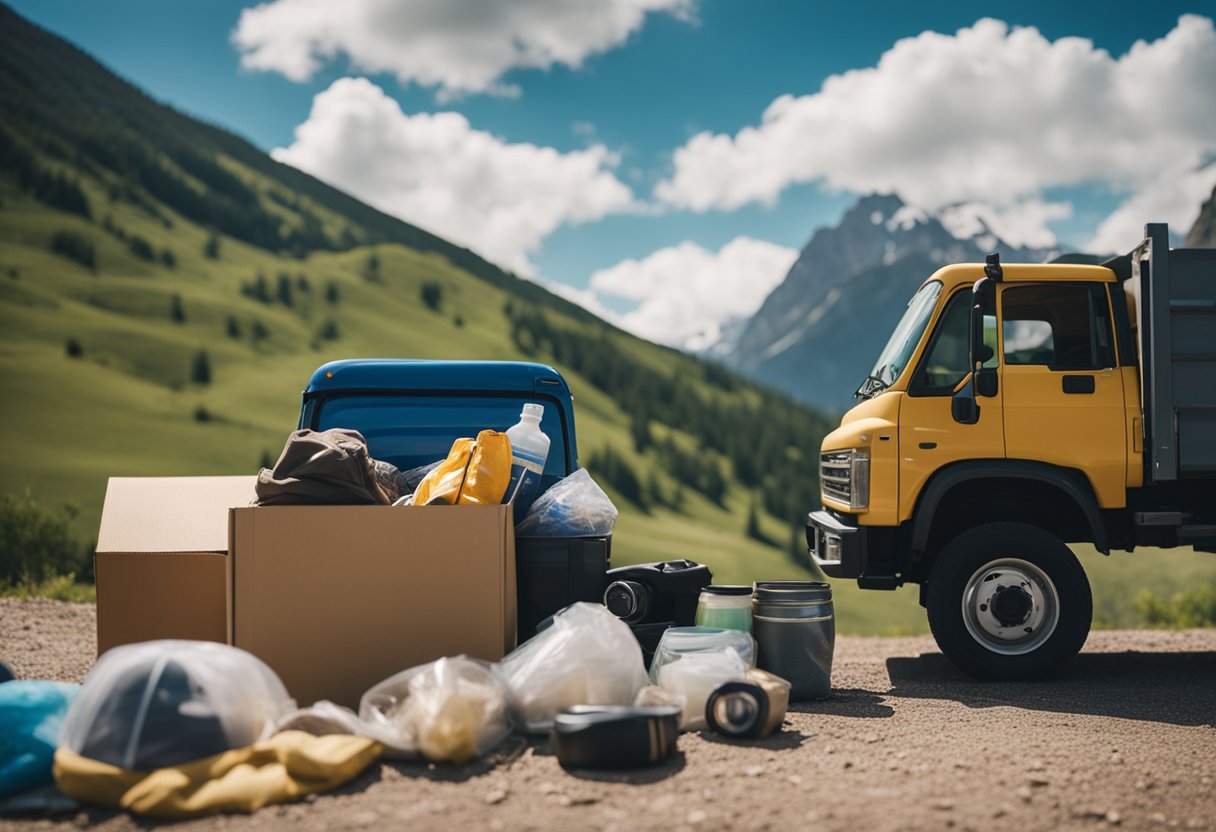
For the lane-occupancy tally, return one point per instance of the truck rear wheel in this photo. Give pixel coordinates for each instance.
(1008, 601)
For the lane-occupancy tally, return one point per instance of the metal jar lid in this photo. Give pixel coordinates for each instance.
(728, 589)
(812, 592)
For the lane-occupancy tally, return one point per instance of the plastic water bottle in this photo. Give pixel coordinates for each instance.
(529, 450)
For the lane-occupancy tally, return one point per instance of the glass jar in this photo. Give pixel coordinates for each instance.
(728, 606)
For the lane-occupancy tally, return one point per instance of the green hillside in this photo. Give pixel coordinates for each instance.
(135, 240)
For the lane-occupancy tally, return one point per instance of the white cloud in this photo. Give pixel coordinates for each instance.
(989, 114)
(459, 46)
(1175, 198)
(1021, 224)
(436, 171)
(687, 293)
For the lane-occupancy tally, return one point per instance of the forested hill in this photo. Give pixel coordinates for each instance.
(166, 290)
(57, 98)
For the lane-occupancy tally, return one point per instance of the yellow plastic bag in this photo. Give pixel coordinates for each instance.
(476, 472)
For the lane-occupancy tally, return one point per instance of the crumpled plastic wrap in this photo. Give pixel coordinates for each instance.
(573, 507)
(453, 709)
(587, 656)
(324, 718)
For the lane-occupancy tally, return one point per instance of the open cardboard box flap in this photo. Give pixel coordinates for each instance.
(162, 565)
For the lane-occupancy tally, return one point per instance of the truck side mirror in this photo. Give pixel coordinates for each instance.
(963, 407)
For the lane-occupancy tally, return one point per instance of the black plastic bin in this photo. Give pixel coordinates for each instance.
(554, 572)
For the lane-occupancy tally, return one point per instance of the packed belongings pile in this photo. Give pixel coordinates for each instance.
(611, 664)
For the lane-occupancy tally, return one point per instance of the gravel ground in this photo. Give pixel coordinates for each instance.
(1125, 737)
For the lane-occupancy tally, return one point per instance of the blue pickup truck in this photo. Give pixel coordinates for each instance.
(410, 412)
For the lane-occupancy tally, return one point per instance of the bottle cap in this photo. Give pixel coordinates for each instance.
(537, 410)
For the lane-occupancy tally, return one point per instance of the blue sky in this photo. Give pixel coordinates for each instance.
(687, 68)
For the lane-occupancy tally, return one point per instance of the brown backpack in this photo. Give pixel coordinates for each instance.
(321, 467)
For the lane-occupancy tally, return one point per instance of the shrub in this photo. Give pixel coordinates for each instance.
(177, 312)
(233, 327)
(35, 542)
(371, 268)
(201, 414)
(432, 295)
(73, 348)
(75, 246)
(259, 289)
(332, 293)
(1189, 608)
(258, 331)
(168, 258)
(284, 292)
(141, 248)
(458, 321)
(211, 248)
(329, 331)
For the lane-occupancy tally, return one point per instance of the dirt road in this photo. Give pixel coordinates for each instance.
(1125, 738)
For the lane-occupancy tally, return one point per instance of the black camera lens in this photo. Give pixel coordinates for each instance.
(627, 600)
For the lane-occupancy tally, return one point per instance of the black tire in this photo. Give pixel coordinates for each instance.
(963, 558)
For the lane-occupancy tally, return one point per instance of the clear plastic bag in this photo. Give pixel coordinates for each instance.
(324, 718)
(452, 710)
(573, 507)
(587, 656)
(162, 703)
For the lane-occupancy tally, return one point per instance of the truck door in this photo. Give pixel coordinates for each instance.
(1063, 394)
(929, 438)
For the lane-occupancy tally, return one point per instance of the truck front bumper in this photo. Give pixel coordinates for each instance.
(843, 549)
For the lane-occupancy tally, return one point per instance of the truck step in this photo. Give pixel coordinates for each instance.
(878, 582)
(1158, 518)
(1197, 533)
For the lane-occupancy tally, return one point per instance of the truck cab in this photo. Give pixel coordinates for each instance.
(1017, 408)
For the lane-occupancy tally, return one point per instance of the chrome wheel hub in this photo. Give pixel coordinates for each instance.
(1010, 606)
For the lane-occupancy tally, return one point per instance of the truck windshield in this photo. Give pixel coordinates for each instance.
(903, 341)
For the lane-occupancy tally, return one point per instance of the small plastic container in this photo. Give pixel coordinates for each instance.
(693, 662)
(728, 606)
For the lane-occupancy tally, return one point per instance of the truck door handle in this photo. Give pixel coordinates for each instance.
(1078, 384)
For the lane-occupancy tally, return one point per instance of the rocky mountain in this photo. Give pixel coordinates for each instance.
(1203, 232)
(818, 333)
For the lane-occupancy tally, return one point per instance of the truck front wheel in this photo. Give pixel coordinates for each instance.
(1008, 601)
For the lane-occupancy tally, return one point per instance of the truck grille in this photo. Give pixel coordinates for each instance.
(834, 475)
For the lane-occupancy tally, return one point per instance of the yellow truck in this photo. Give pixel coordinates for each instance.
(1015, 409)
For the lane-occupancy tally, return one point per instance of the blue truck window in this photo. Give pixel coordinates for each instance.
(410, 431)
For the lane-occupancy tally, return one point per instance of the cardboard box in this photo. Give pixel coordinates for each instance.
(162, 558)
(337, 598)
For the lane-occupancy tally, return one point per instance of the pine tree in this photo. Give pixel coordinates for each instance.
(200, 370)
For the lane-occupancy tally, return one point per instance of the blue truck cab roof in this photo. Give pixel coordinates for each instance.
(411, 410)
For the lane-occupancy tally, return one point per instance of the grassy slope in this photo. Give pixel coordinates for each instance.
(127, 408)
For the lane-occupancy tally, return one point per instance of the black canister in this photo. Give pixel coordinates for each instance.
(795, 632)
